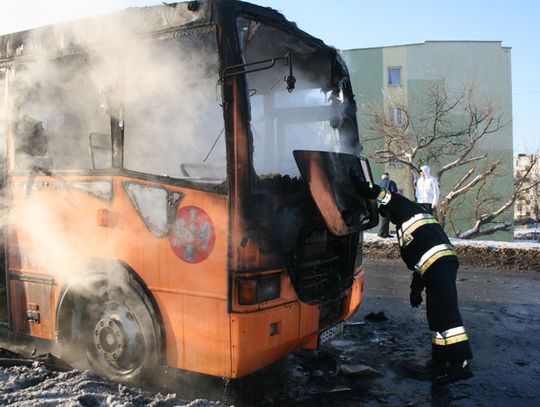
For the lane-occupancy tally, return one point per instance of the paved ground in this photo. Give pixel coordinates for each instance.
(501, 311)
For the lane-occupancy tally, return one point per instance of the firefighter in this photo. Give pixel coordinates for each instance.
(426, 250)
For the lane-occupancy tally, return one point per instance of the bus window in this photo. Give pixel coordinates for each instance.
(173, 119)
(290, 126)
(57, 107)
(308, 118)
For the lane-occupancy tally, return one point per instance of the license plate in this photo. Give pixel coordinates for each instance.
(331, 333)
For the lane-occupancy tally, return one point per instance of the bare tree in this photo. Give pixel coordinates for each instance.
(445, 126)
(523, 184)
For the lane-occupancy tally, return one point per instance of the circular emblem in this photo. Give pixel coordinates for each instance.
(192, 235)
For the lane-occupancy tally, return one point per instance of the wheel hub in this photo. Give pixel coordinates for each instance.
(118, 337)
(110, 338)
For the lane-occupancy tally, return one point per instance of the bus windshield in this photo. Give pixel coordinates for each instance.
(310, 117)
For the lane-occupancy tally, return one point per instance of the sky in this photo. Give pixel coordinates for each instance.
(349, 24)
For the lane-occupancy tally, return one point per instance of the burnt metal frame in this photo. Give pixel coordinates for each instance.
(236, 111)
(237, 69)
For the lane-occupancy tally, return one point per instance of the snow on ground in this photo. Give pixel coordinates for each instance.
(520, 255)
(518, 244)
(36, 386)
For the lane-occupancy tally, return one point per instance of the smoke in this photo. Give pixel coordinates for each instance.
(79, 81)
(172, 109)
(312, 117)
(301, 122)
(163, 92)
(18, 16)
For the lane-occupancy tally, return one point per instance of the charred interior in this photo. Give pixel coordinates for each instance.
(315, 115)
(319, 263)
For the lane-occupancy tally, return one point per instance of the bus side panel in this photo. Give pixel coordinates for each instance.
(154, 258)
(48, 240)
(32, 308)
(356, 294)
(207, 336)
(191, 296)
(263, 337)
(199, 337)
(189, 284)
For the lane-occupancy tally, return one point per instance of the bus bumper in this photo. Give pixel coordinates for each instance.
(263, 337)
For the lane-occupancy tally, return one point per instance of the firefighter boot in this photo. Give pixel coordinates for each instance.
(454, 372)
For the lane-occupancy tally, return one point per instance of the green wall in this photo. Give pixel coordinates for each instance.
(484, 64)
(366, 70)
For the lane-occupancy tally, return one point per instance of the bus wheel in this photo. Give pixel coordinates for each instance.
(119, 334)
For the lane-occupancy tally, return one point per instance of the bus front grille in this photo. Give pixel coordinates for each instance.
(323, 266)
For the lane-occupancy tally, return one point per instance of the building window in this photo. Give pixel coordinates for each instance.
(394, 76)
(396, 116)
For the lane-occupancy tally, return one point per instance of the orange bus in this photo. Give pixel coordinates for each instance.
(177, 189)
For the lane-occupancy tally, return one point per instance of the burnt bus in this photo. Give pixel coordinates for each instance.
(177, 183)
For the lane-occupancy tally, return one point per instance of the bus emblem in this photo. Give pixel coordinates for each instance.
(192, 234)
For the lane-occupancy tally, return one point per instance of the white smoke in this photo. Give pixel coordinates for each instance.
(18, 16)
(309, 117)
(163, 91)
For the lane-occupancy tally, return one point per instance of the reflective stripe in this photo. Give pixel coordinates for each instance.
(450, 341)
(414, 219)
(453, 331)
(406, 237)
(384, 196)
(433, 254)
(422, 269)
(449, 337)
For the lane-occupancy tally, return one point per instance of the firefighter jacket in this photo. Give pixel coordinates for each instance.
(422, 241)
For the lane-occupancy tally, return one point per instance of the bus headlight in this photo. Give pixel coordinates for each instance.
(252, 290)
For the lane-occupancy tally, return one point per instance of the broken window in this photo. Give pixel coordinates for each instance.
(308, 118)
(173, 118)
(56, 106)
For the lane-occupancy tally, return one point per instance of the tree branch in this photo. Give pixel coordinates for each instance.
(476, 230)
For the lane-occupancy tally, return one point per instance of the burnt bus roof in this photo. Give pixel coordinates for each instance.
(69, 37)
(72, 37)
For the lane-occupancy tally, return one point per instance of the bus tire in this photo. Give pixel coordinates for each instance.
(118, 330)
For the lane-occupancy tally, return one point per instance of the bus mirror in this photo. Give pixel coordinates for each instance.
(290, 80)
(262, 65)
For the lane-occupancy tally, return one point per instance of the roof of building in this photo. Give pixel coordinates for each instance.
(430, 42)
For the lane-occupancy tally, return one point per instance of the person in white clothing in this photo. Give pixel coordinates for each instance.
(427, 190)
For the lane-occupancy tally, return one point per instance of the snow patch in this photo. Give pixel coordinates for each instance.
(519, 245)
(28, 386)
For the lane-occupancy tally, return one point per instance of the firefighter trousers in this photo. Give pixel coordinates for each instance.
(450, 342)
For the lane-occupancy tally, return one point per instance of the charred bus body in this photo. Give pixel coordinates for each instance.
(178, 190)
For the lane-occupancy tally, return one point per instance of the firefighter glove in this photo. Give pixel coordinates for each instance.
(417, 286)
